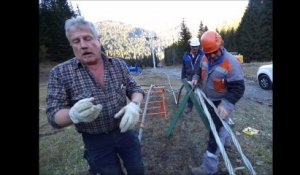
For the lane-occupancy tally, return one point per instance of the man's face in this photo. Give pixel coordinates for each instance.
(194, 49)
(85, 46)
(213, 56)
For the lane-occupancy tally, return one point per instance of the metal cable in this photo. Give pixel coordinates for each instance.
(201, 94)
(215, 133)
(144, 113)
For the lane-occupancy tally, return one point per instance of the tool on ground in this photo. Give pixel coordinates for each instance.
(250, 131)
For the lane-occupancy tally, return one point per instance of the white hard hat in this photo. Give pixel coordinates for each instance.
(194, 42)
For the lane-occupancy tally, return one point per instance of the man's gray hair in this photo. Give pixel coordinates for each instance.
(78, 22)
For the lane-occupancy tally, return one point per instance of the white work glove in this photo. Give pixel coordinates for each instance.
(194, 82)
(130, 117)
(84, 111)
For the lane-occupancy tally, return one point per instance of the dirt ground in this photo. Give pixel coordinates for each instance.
(175, 155)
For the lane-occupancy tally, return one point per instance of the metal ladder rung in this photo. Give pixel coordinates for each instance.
(150, 102)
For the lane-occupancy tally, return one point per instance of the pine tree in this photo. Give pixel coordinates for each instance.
(185, 35)
(254, 34)
(201, 30)
(52, 16)
(205, 28)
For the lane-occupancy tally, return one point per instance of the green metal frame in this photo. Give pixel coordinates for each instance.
(182, 104)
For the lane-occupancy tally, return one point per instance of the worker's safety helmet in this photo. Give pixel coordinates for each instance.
(194, 42)
(211, 41)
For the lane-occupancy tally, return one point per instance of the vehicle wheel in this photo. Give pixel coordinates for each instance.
(264, 82)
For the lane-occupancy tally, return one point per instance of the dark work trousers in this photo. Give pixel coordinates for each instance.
(212, 144)
(102, 152)
(189, 101)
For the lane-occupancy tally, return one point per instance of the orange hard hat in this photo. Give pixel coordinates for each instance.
(211, 41)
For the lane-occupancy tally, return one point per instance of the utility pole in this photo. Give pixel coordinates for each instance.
(151, 38)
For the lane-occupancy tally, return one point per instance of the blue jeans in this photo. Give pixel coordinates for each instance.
(103, 151)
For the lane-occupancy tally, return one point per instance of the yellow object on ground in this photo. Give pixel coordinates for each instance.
(240, 58)
(250, 131)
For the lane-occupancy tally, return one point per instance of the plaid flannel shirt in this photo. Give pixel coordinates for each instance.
(70, 82)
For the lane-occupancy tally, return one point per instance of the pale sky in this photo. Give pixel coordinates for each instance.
(156, 15)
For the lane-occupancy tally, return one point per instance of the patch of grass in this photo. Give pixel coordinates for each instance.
(263, 152)
(62, 153)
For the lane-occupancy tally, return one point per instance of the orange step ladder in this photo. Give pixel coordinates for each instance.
(153, 104)
(156, 104)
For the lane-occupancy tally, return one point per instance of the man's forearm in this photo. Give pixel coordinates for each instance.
(236, 90)
(62, 118)
(137, 97)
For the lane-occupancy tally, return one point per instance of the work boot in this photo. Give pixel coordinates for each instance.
(187, 109)
(209, 165)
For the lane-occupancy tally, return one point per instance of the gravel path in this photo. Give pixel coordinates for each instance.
(255, 93)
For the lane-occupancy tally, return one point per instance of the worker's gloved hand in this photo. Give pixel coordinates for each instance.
(225, 109)
(84, 111)
(194, 82)
(222, 112)
(130, 117)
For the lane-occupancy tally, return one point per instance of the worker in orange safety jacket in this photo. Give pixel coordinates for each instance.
(221, 78)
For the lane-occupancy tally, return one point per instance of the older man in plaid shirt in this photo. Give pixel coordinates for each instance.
(90, 92)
